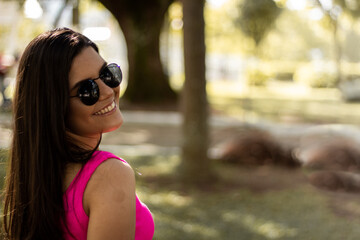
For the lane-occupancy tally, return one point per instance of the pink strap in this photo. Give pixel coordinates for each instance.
(74, 193)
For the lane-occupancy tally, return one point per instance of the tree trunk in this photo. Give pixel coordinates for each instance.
(141, 22)
(76, 14)
(59, 13)
(337, 52)
(337, 45)
(195, 166)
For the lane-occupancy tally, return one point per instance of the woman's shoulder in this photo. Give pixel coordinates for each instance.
(112, 178)
(113, 167)
(112, 170)
(110, 200)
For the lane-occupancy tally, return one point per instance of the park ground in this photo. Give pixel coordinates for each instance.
(245, 203)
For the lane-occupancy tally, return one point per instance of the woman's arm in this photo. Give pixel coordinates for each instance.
(109, 201)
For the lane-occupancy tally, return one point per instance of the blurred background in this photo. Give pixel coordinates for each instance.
(282, 110)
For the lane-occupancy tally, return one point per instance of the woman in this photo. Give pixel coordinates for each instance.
(59, 186)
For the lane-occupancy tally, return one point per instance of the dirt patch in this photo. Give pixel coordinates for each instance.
(133, 134)
(263, 178)
(229, 178)
(343, 204)
(165, 135)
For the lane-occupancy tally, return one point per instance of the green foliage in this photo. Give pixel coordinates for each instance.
(256, 77)
(351, 8)
(27, 30)
(280, 70)
(4, 31)
(257, 17)
(222, 34)
(3, 159)
(293, 36)
(317, 76)
(350, 43)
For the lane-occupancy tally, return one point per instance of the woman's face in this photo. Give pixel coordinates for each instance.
(90, 121)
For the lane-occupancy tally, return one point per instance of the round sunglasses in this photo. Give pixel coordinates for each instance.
(88, 90)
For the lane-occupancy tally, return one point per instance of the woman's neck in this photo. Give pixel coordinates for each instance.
(85, 142)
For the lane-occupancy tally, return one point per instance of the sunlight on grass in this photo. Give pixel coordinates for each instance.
(274, 89)
(264, 227)
(149, 165)
(172, 199)
(235, 213)
(227, 88)
(279, 104)
(159, 165)
(230, 211)
(353, 206)
(184, 229)
(246, 216)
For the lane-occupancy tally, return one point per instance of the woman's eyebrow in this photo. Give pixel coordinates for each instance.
(79, 82)
(102, 67)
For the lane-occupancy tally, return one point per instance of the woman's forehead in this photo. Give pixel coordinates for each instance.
(87, 64)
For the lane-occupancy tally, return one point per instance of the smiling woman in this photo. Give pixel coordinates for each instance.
(89, 116)
(66, 97)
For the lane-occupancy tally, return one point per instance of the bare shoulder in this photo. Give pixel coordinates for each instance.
(109, 200)
(110, 176)
(113, 168)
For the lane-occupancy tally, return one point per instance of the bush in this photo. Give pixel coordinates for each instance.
(255, 148)
(316, 75)
(284, 76)
(256, 77)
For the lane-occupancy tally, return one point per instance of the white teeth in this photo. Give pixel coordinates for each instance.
(106, 109)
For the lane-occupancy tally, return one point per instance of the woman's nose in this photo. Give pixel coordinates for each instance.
(105, 90)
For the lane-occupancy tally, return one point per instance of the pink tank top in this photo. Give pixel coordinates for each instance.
(75, 216)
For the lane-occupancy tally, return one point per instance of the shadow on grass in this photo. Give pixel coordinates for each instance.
(245, 204)
(259, 203)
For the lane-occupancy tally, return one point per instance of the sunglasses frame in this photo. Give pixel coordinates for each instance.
(89, 91)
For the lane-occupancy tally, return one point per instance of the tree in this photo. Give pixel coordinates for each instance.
(141, 22)
(332, 13)
(256, 18)
(195, 166)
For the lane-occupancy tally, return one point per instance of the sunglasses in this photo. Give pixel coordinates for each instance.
(89, 92)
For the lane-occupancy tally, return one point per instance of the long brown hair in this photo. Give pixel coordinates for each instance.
(33, 207)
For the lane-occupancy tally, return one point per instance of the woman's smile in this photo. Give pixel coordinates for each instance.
(107, 110)
(104, 115)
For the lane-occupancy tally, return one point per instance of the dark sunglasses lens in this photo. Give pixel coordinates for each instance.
(89, 92)
(112, 75)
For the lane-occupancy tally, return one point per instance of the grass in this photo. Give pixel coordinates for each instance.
(245, 204)
(233, 209)
(283, 102)
(3, 157)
